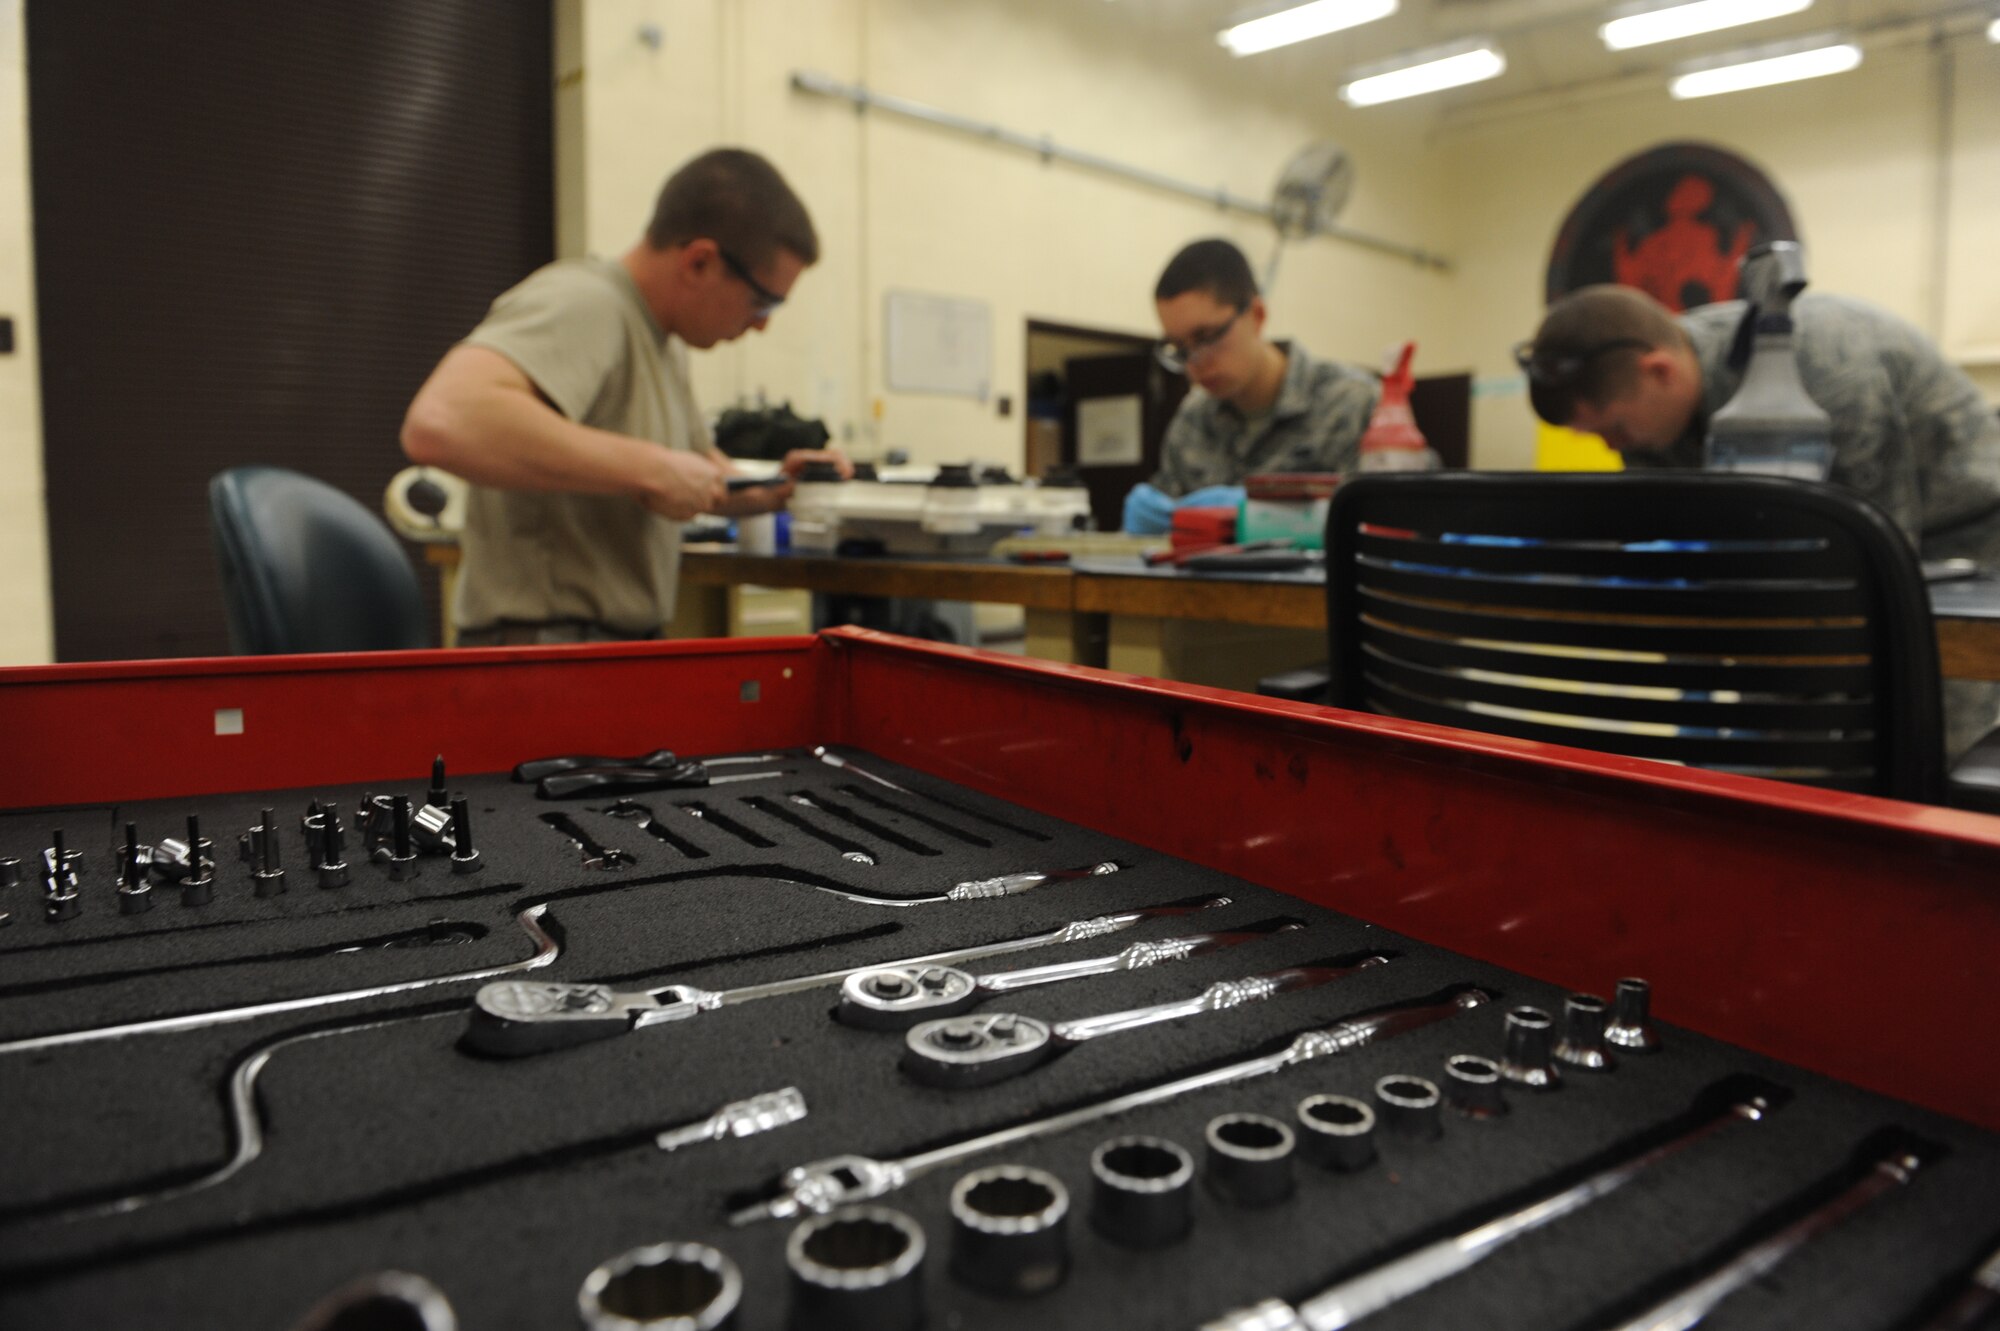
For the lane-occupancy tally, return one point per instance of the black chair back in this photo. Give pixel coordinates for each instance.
(307, 569)
(1743, 623)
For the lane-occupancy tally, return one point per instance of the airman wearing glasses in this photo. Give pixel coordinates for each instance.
(1255, 406)
(569, 410)
(1910, 431)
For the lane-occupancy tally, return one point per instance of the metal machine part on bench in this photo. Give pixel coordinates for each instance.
(515, 1018)
(841, 1180)
(967, 1051)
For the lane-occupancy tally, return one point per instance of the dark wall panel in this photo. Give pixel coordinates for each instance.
(258, 224)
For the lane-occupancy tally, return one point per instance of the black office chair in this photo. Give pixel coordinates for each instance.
(307, 569)
(1742, 623)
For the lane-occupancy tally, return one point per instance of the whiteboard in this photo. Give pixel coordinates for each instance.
(939, 344)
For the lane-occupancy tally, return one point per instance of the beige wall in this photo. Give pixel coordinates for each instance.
(1857, 156)
(26, 626)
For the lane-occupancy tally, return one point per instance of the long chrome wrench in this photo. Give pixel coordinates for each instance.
(841, 1180)
(1371, 1291)
(958, 1052)
(1689, 1306)
(895, 998)
(547, 949)
(511, 1018)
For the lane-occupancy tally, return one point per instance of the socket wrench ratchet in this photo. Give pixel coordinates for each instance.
(1417, 1270)
(958, 1052)
(895, 998)
(512, 1018)
(841, 1180)
(535, 922)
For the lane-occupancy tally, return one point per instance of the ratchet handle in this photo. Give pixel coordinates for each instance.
(542, 767)
(620, 780)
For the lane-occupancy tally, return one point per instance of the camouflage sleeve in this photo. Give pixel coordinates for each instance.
(1183, 437)
(1342, 403)
(1955, 433)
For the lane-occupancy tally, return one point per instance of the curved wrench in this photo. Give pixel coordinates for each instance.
(515, 1017)
(958, 1052)
(895, 998)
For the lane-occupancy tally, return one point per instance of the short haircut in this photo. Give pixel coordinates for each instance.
(1214, 266)
(1588, 347)
(738, 200)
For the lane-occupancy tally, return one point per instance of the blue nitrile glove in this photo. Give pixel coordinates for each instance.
(1213, 496)
(1148, 512)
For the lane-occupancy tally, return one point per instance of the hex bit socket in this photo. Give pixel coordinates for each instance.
(1526, 1060)
(860, 1269)
(662, 1287)
(1250, 1158)
(1631, 1024)
(1582, 1042)
(1010, 1230)
(1337, 1132)
(1141, 1195)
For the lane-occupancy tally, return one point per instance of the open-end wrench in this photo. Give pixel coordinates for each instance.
(957, 1052)
(895, 998)
(1375, 1289)
(832, 759)
(535, 922)
(512, 1018)
(825, 1185)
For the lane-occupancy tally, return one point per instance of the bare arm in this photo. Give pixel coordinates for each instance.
(478, 416)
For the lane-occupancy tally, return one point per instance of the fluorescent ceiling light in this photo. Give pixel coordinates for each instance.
(1993, 31)
(1301, 22)
(1685, 20)
(1425, 71)
(1757, 73)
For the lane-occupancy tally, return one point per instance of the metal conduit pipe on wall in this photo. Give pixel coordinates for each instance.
(820, 85)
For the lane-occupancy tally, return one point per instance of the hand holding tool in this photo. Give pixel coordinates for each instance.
(844, 1179)
(895, 998)
(515, 1018)
(959, 1052)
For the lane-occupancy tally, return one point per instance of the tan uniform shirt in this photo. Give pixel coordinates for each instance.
(579, 330)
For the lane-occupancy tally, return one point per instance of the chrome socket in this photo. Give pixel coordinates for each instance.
(1472, 1086)
(63, 902)
(430, 828)
(662, 1287)
(1141, 1194)
(1338, 1132)
(1631, 1024)
(1250, 1158)
(10, 871)
(198, 889)
(1010, 1230)
(1525, 1060)
(269, 879)
(332, 861)
(135, 899)
(860, 1269)
(402, 852)
(1582, 1042)
(382, 1301)
(1408, 1106)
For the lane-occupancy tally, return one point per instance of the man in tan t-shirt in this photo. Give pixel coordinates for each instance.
(569, 410)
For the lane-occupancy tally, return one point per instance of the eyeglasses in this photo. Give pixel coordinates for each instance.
(1562, 371)
(767, 300)
(1177, 356)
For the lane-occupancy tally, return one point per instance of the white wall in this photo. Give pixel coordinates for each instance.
(1857, 156)
(27, 631)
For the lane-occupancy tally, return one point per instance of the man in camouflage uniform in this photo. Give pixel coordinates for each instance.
(1255, 406)
(1910, 432)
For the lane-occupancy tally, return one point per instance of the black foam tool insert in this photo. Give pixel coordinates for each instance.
(386, 1144)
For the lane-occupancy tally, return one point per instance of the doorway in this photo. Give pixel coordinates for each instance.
(1100, 402)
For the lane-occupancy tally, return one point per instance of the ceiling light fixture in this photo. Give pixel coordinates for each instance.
(1420, 72)
(1993, 31)
(1757, 69)
(1300, 22)
(1665, 23)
